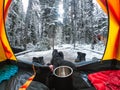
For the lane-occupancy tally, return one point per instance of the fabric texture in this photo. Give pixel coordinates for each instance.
(106, 80)
(5, 49)
(7, 71)
(113, 44)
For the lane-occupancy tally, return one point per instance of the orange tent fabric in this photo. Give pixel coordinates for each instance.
(5, 49)
(113, 45)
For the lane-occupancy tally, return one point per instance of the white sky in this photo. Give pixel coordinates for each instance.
(94, 1)
(61, 8)
(25, 5)
(61, 11)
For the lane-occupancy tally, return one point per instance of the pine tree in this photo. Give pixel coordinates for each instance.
(15, 23)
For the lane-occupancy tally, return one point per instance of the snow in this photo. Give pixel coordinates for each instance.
(70, 53)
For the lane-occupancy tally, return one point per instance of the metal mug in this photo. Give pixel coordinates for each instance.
(63, 78)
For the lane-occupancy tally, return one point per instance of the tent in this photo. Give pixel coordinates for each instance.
(6, 52)
(113, 11)
(23, 74)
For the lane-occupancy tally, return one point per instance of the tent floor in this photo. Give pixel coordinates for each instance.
(25, 71)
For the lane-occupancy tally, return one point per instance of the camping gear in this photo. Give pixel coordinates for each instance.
(7, 71)
(63, 78)
(24, 71)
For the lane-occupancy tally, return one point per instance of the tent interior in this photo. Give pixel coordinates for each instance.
(102, 74)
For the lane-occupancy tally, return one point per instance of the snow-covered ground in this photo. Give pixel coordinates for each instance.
(70, 53)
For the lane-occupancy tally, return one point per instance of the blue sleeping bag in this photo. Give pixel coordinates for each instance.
(7, 71)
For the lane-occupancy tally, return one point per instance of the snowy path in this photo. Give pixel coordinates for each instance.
(69, 54)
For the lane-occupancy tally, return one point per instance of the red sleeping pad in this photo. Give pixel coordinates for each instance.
(106, 80)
